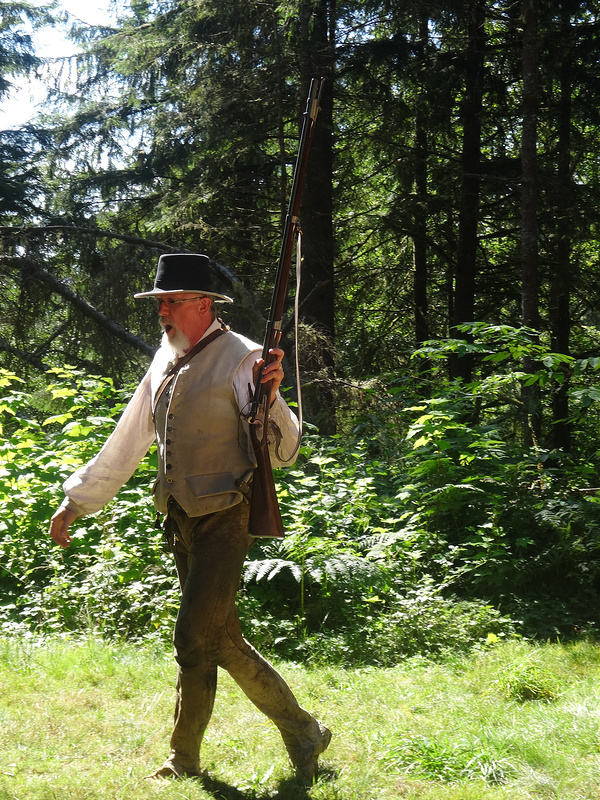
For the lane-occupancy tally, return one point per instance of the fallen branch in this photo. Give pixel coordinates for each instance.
(39, 274)
(245, 299)
(28, 358)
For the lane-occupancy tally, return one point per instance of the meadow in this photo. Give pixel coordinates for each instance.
(88, 719)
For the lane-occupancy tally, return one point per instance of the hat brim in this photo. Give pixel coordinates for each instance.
(218, 298)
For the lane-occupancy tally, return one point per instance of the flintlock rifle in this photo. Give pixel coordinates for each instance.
(265, 516)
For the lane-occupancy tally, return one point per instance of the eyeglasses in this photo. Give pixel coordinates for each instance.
(168, 301)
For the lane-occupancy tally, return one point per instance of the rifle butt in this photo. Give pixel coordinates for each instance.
(265, 516)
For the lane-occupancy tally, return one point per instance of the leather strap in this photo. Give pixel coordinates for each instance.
(182, 362)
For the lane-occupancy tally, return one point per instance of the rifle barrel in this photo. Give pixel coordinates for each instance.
(265, 516)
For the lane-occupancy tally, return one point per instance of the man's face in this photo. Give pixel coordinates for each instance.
(183, 317)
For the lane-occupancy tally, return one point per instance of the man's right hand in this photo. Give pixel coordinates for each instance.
(59, 526)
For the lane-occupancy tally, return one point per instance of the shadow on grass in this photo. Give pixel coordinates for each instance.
(289, 789)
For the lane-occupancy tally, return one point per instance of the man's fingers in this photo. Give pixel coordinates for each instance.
(274, 368)
(271, 373)
(59, 526)
(60, 536)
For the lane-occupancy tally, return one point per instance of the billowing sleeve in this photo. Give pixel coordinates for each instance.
(284, 428)
(89, 488)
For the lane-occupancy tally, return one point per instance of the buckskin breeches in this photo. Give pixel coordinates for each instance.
(209, 555)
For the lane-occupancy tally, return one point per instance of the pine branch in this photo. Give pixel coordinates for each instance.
(242, 296)
(99, 232)
(40, 349)
(39, 274)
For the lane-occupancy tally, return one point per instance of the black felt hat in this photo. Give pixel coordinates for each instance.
(184, 272)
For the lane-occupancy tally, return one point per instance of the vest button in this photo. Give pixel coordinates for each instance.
(169, 429)
(168, 441)
(169, 466)
(169, 480)
(171, 416)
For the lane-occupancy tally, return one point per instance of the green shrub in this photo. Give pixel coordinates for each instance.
(432, 534)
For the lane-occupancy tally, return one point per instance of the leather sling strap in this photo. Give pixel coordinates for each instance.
(181, 363)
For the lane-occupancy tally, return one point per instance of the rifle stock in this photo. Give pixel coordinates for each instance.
(265, 516)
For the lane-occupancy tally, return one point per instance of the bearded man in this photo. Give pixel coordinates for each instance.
(192, 401)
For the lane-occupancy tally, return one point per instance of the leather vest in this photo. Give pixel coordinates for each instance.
(202, 445)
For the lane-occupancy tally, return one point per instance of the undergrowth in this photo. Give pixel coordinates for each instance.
(427, 529)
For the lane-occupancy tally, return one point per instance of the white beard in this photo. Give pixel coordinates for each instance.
(177, 345)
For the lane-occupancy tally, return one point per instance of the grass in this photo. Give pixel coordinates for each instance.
(88, 720)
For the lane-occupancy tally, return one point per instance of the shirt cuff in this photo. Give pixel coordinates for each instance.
(67, 503)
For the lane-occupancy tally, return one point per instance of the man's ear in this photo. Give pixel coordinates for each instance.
(206, 303)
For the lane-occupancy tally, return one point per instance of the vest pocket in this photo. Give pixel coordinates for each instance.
(212, 483)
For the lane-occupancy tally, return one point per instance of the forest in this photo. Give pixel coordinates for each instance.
(447, 491)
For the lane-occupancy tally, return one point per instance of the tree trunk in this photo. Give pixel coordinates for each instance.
(560, 287)
(529, 216)
(317, 52)
(464, 279)
(420, 215)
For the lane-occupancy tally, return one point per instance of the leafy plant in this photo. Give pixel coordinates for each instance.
(440, 759)
(527, 680)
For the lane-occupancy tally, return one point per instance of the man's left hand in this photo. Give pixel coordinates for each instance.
(272, 372)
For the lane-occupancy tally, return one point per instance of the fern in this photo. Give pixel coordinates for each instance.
(344, 567)
(269, 568)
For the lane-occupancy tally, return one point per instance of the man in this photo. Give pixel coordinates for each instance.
(192, 400)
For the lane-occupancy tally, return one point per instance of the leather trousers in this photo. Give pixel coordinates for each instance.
(209, 554)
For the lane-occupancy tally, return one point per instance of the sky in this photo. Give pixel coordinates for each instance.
(51, 42)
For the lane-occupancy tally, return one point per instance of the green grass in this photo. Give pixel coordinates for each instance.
(88, 720)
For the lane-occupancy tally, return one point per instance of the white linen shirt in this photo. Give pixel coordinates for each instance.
(90, 487)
